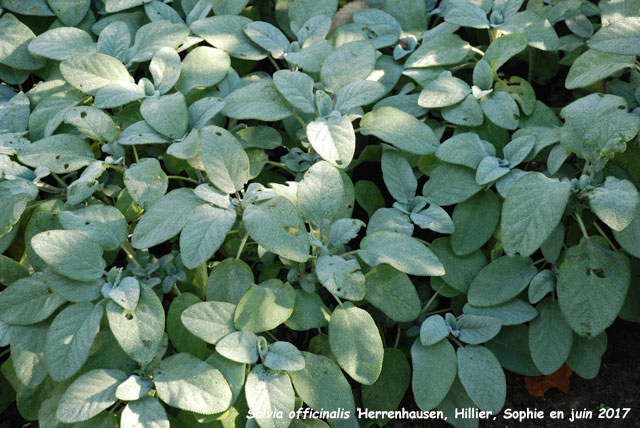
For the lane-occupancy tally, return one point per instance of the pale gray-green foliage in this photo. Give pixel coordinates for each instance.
(277, 226)
(144, 413)
(89, 394)
(550, 337)
(513, 312)
(27, 301)
(403, 252)
(526, 221)
(482, 377)
(210, 321)
(70, 338)
(400, 129)
(269, 391)
(264, 306)
(590, 273)
(160, 159)
(321, 384)
(356, 343)
(146, 182)
(434, 370)
(71, 253)
(500, 281)
(139, 331)
(586, 354)
(190, 384)
(392, 292)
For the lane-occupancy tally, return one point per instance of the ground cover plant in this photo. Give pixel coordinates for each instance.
(216, 208)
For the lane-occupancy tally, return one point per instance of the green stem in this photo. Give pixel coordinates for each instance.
(439, 311)
(349, 253)
(337, 298)
(49, 188)
(179, 177)
(300, 120)
(581, 224)
(275, 64)
(424, 309)
(604, 235)
(175, 290)
(59, 180)
(268, 333)
(591, 6)
(531, 56)
(395, 345)
(456, 341)
(34, 204)
(128, 249)
(5, 352)
(135, 153)
(476, 50)
(242, 244)
(117, 168)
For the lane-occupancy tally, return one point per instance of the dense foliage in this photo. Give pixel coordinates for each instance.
(211, 207)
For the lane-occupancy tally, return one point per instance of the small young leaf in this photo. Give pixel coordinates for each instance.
(433, 330)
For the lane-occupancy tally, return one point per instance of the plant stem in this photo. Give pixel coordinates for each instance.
(337, 298)
(5, 352)
(591, 6)
(424, 309)
(179, 177)
(581, 224)
(476, 50)
(59, 180)
(531, 56)
(268, 333)
(439, 311)
(176, 290)
(242, 244)
(34, 204)
(300, 120)
(395, 345)
(604, 235)
(135, 153)
(49, 188)
(275, 64)
(126, 246)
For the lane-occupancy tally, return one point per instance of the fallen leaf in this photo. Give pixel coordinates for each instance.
(345, 14)
(538, 385)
